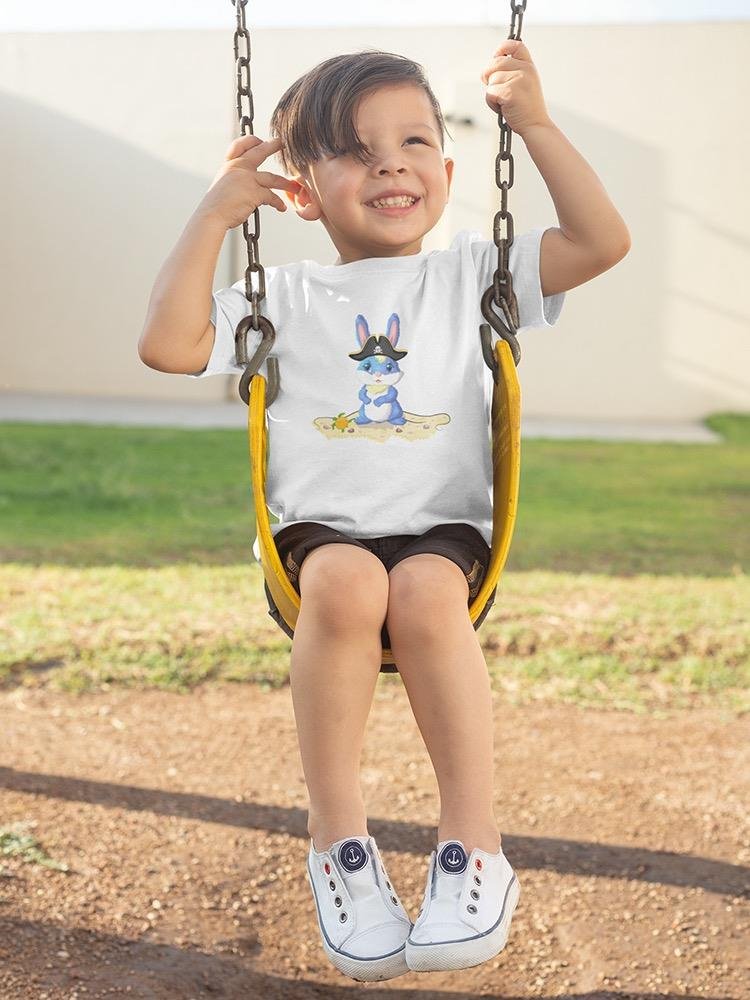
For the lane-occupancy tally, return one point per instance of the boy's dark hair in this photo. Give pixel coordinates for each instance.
(315, 117)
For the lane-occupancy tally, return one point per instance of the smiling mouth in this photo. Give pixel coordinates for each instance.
(394, 209)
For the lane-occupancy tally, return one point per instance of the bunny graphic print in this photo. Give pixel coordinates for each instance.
(381, 425)
(379, 370)
(377, 375)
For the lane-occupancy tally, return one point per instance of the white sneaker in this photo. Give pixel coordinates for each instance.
(363, 926)
(466, 911)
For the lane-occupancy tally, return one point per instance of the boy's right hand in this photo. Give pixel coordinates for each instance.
(239, 188)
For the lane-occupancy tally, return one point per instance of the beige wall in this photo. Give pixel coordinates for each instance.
(111, 139)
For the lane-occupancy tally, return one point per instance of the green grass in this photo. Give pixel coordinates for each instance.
(16, 841)
(87, 495)
(637, 642)
(128, 562)
(591, 506)
(81, 495)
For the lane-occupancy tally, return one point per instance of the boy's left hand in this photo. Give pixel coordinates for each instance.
(514, 87)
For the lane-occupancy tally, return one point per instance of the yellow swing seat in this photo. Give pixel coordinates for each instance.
(506, 465)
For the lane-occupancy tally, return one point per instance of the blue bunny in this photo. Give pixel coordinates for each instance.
(378, 366)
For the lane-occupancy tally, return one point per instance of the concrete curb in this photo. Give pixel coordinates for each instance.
(40, 408)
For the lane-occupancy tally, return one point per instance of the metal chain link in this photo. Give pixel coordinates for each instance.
(255, 319)
(500, 292)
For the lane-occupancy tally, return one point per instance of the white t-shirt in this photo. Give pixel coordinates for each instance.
(420, 457)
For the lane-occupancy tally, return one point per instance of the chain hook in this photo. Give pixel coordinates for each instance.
(506, 330)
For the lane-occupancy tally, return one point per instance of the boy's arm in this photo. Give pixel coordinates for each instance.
(592, 236)
(177, 334)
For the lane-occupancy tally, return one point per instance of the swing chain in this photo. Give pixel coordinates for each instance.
(500, 292)
(255, 319)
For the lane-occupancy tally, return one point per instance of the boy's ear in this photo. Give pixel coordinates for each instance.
(302, 200)
(449, 171)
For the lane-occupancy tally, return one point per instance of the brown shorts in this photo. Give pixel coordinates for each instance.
(461, 543)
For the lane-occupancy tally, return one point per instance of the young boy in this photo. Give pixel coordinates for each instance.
(380, 467)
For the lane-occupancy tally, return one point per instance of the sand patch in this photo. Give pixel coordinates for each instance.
(416, 426)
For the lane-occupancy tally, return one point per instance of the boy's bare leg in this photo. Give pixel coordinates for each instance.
(445, 675)
(335, 662)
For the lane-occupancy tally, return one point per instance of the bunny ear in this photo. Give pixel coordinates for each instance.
(393, 328)
(363, 330)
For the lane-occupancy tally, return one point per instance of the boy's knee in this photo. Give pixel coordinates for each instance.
(345, 583)
(425, 592)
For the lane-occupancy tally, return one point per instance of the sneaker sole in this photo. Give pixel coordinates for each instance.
(364, 970)
(447, 955)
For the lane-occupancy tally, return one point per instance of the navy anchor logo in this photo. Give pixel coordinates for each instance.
(453, 859)
(352, 856)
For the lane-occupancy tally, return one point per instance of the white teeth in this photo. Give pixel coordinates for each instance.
(403, 201)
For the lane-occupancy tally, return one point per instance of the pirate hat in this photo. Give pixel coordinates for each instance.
(377, 346)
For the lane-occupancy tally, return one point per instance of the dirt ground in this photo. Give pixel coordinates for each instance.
(183, 821)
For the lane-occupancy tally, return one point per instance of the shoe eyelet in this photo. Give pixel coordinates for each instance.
(394, 900)
(471, 908)
(474, 894)
(478, 880)
(478, 863)
(327, 868)
(337, 901)
(332, 884)
(388, 884)
(343, 917)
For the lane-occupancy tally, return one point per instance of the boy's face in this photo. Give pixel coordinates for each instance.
(397, 124)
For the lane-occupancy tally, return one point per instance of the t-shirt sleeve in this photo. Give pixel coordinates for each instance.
(228, 307)
(534, 309)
